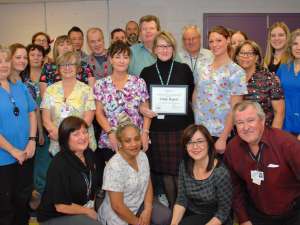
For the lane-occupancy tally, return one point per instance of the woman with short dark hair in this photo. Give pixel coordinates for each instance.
(204, 185)
(73, 179)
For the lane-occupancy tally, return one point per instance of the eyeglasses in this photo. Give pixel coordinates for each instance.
(16, 110)
(246, 54)
(164, 46)
(67, 64)
(196, 144)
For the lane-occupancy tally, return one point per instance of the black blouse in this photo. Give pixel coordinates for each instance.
(67, 182)
(181, 75)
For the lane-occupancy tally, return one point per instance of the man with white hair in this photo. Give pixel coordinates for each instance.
(265, 170)
(192, 53)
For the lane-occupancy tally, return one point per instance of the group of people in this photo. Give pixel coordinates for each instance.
(76, 125)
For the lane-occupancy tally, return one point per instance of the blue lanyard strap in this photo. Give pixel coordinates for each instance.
(169, 76)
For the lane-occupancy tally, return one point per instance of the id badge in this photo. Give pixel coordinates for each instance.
(161, 117)
(65, 111)
(257, 176)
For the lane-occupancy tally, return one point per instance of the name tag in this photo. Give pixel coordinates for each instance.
(257, 176)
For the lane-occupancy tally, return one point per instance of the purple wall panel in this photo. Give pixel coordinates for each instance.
(291, 19)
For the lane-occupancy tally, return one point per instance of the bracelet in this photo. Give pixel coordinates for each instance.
(110, 132)
(145, 131)
(32, 138)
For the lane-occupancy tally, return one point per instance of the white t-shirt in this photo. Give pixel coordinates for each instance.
(119, 176)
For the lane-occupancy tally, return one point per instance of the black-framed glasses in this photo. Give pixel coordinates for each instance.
(16, 110)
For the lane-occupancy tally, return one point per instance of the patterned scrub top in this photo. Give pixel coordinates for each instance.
(50, 73)
(79, 101)
(120, 105)
(264, 88)
(213, 91)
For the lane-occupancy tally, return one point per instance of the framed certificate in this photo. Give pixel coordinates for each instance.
(169, 99)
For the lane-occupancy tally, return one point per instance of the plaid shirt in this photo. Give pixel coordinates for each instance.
(211, 196)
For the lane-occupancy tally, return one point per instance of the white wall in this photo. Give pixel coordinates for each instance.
(20, 19)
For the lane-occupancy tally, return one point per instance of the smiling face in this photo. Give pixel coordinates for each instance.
(278, 38)
(68, 69)
(148, 31)
(163, 50)
(296, 48)
(218, 44)
(236, 40)
(76, 40)
(120, 61)
(249, 125)
(5, 66)
(192, 41)
(197, 147)
(19, 60)
(79, 140)
(130, 142)
(64, 47)
(246, 57)
(96, 42)
(42, 41)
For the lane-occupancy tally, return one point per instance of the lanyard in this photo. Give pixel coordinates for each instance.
(169, 76)
(88, 183)
(193, 67)
(259, 156)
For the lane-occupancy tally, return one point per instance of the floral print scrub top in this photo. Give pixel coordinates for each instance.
(213, 91)
(79, 101)
(120, 105)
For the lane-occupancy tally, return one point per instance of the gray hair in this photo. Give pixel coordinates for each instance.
(192, 27)
(241, 106)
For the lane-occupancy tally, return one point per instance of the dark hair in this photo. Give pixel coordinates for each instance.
(122, 127)
(32, 47)
(118, 47)
(75, 29)
(115, 31)
(256, 51)
(222, 31)
(67, 126)
(47, 37)
(186, 137)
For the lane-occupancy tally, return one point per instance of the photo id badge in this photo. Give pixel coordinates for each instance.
(161, 117)
(65, 111)
(257, 176)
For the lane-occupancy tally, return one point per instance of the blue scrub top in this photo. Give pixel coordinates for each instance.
(290, 83)
(15, 129)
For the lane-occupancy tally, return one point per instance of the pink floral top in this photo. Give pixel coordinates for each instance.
(120, 105)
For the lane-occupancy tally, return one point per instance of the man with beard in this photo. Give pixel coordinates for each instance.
(132, 32)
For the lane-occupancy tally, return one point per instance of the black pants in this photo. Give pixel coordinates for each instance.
(291, 218)
(15, 192)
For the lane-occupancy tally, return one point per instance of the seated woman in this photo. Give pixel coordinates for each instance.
(262, 85)
(204, 186)
(129, 196)
(72, 180)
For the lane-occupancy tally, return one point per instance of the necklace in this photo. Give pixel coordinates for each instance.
(169, 76)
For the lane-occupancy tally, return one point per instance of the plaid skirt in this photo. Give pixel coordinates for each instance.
(165, 152)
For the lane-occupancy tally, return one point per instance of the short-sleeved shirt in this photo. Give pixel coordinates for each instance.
(208, 197)
(203, 57)
(33, 87)
(290, 82)
(214, 89)
(79, 101)
(264, 88)
(141, 57)
(119, 176)
(15, 129)
(100, 65)
(50, 73)
(120, 105)
(66, 183)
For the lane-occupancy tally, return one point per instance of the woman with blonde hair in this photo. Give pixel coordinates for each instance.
(68, 97)
(165, 153)
(50, 73)
(289, 75)
(278, 36)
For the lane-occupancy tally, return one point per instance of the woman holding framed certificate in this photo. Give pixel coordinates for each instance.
(171, 85)
(218, 87)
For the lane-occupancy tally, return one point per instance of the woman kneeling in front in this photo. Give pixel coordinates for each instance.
(72, 179)
(204, 185)
(126, 180)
